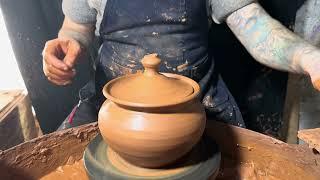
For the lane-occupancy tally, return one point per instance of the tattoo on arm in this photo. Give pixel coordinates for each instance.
(267, 40)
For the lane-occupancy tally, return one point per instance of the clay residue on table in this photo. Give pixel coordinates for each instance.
(40, 156)
(246, 155)
(75, 171)
(311, 137)
(256, 156)
(229, 170)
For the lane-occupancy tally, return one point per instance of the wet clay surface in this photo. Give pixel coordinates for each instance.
(151, 119)
(246, 155)
(151, 139)
(40, 156)
(230, 170)
(74, 171)
(150, 87)
(251, 155)
(312, 137)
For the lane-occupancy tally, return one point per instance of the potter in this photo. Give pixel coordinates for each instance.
(178, 32)
(152, 119)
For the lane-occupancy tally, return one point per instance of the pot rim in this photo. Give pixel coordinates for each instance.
(194, 84)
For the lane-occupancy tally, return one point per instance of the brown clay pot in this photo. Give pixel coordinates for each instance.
(152, 119)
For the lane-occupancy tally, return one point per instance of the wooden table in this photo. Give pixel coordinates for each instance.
(17, 123)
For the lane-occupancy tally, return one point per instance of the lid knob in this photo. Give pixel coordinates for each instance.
(151, 64)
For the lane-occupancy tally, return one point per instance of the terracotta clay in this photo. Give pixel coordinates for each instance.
(311, 137)
(74, 171)
(246, 155)
(152, 119)
(42, 155)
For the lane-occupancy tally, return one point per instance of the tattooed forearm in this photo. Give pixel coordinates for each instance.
(269, 42)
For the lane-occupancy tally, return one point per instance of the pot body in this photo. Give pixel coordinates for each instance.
(152, 137)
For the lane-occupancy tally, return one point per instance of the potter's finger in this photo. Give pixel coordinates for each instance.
(59, 82)
(55, 62)
(72, 54)
(51, 53)
(51, 71)
(316, 84)
(60, 73)
(56, 77)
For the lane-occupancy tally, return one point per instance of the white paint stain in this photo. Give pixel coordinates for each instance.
(167, 65)
(166, 16)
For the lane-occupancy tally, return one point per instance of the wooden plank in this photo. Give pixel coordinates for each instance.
(291, 110)
(8, 99)
(311, 137)
(4, 101)
(17, 123)
(42, 155)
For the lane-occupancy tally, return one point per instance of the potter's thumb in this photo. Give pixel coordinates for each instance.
(72, 54)
(316, 84)
(315, 79)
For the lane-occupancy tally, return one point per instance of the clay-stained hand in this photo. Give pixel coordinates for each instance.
(310, 60)
(59, 58)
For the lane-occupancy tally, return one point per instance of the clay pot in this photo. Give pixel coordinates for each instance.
(151, 119)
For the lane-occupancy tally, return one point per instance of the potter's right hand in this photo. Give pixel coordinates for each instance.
(59, 59)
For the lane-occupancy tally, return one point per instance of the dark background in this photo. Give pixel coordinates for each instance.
(258, 90)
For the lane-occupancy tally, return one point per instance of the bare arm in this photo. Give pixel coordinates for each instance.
(272, 44)
(83, 33)
(61, 54)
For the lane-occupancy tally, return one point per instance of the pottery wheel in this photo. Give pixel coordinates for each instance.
(202, 162)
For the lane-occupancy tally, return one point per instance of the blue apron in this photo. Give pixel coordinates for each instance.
(177, 30)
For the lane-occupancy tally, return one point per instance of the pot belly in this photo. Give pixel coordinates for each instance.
(152, 139)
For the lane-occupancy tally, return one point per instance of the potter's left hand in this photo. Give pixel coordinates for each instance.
(311, 65)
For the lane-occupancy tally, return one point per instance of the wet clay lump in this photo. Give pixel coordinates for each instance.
(74, 171)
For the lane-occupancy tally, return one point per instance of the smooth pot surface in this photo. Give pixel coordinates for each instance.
(152, 119)
(152, 139)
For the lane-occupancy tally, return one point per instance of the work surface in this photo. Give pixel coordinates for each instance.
(246, 154)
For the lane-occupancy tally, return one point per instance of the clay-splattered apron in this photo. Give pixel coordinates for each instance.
(177, 30)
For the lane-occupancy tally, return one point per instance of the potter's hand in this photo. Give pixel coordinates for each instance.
(310, 61)
(59, 58)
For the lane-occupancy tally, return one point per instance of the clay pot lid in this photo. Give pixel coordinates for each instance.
(151, 88)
